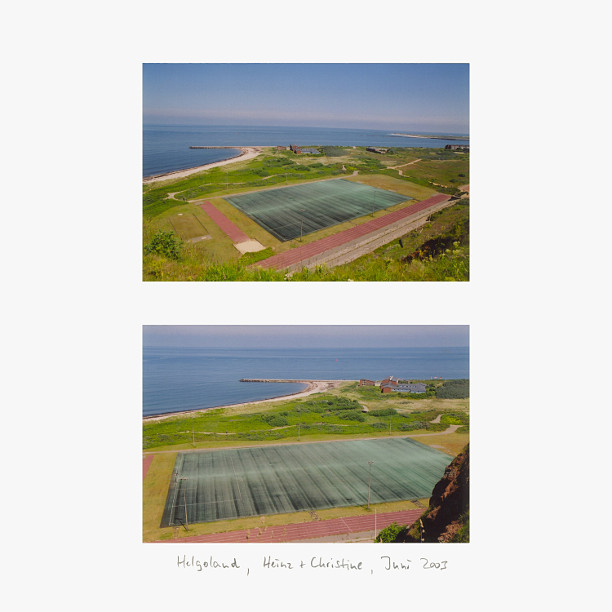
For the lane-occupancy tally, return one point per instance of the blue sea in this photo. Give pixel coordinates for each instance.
(176, 379)
(166, 147)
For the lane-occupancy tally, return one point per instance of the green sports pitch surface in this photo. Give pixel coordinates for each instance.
(226, 484)
(290, 212)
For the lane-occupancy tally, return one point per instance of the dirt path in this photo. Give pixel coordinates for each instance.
(402, 165)
(451, 429)
(231, 230)
(146, 464)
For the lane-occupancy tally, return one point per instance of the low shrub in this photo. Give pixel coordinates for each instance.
(351, 415)
(164, 243)
(454, 389)
(332, 151)
(391, 533)
(412, 426)
(332, 403)
(383, 412)
(455, 418)
(275, 420)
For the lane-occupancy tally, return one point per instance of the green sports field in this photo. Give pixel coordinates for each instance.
(225, 484)
(290, 212)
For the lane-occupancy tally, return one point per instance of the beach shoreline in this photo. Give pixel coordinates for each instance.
(245, 154)
(312, 386)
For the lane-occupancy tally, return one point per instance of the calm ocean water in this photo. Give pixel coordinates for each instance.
(176, 379)
(166, 147)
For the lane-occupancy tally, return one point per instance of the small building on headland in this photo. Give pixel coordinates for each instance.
(364, 382)
(411, 388)
(457, 147)
(404, 388)
(376, 150)
(389, 381)
(297, 149)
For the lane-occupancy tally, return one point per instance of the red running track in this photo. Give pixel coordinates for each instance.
(294, 256)
(146, 463)
(310, 530)
(235, 234)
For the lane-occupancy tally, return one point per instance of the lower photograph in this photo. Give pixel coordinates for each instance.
(305, 434)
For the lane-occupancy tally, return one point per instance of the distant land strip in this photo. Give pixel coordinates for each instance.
(295, 380)
(432, 137)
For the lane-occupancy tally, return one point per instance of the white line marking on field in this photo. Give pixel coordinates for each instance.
(237, 479)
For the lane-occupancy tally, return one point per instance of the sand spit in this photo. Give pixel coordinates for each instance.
(432, 137)
(313, 386)
(246, 154)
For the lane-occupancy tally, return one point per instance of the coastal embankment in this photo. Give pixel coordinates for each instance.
(245, 154)
(312, 386)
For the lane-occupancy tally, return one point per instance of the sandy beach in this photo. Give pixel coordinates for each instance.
(313, 386)
(247, 153)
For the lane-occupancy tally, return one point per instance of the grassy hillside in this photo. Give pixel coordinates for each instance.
(205, 253)
(338, 414)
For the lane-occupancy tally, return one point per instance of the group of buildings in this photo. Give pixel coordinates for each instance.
(297, 150)
(391, 384)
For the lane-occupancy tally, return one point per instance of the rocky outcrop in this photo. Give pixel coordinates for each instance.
(447, 517)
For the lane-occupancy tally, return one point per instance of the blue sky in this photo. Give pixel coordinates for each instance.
(306, 336)
(419, 97)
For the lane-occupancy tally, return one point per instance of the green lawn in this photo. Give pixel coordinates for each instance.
(339, 414)
(155, 490)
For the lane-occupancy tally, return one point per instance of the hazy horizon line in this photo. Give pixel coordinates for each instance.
(325, 127)
(259, 348)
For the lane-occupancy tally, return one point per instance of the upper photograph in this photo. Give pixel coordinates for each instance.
(306, 172)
